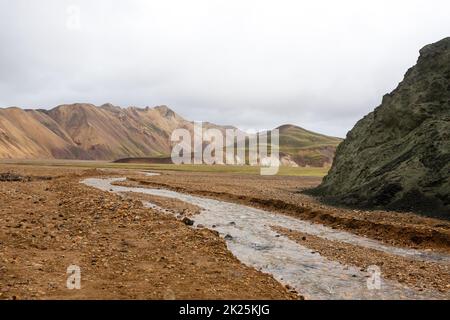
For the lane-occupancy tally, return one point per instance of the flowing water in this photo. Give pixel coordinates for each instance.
(251, 239)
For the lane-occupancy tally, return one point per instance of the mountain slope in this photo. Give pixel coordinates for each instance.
(107, 132)
(22, 135)
(84, 131)
(398, 156)
(306, 148)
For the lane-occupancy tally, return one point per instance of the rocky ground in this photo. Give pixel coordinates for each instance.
(48, 221)
(282, 195)
(420, 275)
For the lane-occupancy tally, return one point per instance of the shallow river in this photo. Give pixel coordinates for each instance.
(255, 244)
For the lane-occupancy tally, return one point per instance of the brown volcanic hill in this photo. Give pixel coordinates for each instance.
(22, 135)
(398, 156)
(109, 132)
(84, 131)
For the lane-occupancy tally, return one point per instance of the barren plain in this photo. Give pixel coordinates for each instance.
(49, 220)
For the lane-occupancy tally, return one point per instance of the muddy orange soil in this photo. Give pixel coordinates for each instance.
(281, 194)
(48, 221)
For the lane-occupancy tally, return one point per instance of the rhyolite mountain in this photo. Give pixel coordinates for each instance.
(398, 156)
(302, 147)
(87, 132)
(84, 131)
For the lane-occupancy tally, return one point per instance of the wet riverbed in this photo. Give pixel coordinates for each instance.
(251, 239)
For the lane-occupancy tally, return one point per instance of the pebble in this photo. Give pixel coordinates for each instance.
(188, 221)
(228, 237)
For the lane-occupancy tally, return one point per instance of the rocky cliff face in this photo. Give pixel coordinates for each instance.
(398, 156)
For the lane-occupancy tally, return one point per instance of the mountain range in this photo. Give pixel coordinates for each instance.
(107, 132)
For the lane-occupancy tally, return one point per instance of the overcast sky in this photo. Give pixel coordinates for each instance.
(254, 64)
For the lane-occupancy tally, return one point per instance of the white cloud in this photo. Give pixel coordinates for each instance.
(255, 64)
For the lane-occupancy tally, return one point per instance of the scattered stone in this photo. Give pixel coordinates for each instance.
(188, 221)
(10, 177)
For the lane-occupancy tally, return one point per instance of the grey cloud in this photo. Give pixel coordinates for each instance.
(255, 64)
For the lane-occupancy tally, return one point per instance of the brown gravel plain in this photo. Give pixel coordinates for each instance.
(282, 194)
(420, 275)
(49, 221)
(126, 251)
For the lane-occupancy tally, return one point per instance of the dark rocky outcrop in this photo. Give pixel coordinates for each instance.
(398, 156)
